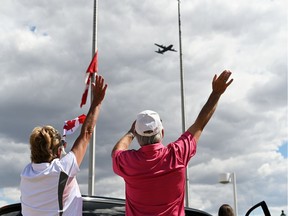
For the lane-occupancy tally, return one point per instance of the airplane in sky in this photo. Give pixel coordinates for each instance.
(164, 48)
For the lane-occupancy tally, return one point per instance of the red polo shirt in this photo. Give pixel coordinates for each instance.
(155, 176)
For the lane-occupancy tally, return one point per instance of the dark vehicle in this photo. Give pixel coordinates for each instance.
(96, 206)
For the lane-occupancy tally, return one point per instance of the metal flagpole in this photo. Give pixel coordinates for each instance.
(183, 100)
(91, 175)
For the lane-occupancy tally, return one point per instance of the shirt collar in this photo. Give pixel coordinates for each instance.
(151, 147)
(40, 166)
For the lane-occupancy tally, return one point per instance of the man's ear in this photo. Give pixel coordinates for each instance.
(162, 133)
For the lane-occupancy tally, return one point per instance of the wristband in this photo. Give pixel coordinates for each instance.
(131, 134)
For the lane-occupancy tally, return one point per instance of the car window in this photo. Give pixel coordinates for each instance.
(102, 209)
(11, 210)
(11, 214)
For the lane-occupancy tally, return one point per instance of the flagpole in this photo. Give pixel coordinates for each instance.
(183, 101)
(91, 175)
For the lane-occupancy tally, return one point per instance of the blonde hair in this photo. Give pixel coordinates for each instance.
(44, 144)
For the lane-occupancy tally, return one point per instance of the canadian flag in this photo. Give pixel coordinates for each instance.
(93, 68)
(71, 126)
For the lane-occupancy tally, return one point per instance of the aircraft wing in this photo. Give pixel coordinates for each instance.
(163, 47)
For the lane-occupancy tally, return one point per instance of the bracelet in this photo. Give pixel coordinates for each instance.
(131, 134)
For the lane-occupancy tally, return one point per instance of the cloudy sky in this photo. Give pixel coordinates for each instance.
(46, 47)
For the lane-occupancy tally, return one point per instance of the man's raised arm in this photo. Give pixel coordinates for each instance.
(219, 85)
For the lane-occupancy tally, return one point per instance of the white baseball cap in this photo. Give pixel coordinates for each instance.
(148, 123)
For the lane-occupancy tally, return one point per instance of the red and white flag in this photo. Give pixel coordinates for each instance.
(93, 68)
(71, 126)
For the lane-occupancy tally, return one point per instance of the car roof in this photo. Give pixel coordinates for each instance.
(99, 205)
(116, 206)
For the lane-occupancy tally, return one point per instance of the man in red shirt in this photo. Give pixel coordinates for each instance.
(155, 174)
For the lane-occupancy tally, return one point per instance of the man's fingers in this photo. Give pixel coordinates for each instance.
(229, 82)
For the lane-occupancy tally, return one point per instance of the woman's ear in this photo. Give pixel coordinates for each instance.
(59, 152)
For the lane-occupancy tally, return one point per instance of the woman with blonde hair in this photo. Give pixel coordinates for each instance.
(48, 184)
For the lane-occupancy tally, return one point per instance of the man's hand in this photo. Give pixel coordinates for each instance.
(220, 84)
(132, 129)
(125, 141)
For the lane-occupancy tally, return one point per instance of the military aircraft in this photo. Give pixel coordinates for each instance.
(164, 48)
